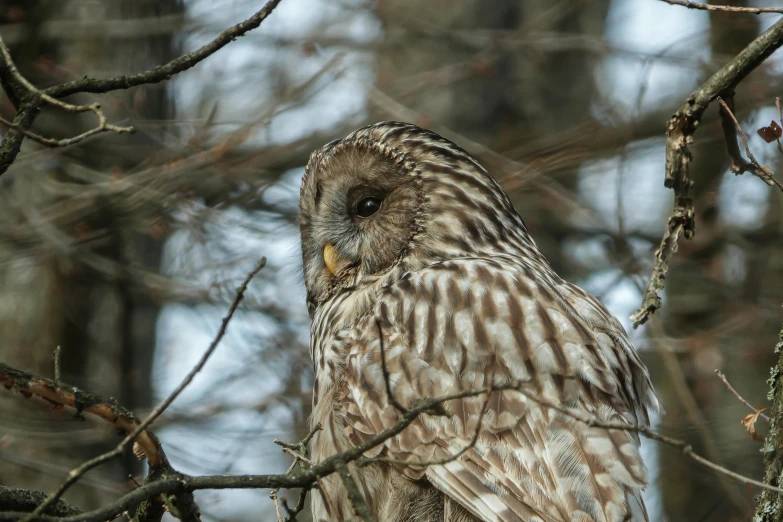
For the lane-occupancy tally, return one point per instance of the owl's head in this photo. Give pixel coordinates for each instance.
(393, 192)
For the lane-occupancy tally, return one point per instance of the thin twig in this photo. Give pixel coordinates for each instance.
(386, 377)
(723, 378)
(240, 294)
(76, 473)
(30, 87)
(297, 456)
(33, 136)
(273, 496)
(95, 108)
(166, 71)
(780, 119)
(359, 505)
(300, 446)
(737, 163)
(299, 452)
(291, 512)
(28, 110)
(724, 8)
(438, 462)
(56, 357)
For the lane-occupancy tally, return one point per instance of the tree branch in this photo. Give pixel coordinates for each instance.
(306, 478)
(679, 136)
(166, 71)
(10, 69)
(738, 164)
(17, 499)
(723, 378)
(59, 395)
(29, 103)
(724, 8)
(12, 141)
(293, 479)
(141, 427)
(770, 503)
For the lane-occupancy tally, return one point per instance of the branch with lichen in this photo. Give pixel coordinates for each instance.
(679, 137)
(770, 503)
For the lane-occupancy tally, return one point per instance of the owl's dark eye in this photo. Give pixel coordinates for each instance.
(368, 206)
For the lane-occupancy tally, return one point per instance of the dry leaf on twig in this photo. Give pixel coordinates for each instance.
(749, 421)
(771, 133)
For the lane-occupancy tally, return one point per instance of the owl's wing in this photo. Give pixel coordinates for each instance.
(471, 323)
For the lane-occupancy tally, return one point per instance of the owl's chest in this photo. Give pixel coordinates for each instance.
(329, 393)
(333, 331)
(329, 346)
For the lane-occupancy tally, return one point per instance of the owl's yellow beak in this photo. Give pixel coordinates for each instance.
(332, 259)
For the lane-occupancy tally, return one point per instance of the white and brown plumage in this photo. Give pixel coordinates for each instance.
(410, 248)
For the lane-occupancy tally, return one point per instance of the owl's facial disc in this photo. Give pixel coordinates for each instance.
(357, 217)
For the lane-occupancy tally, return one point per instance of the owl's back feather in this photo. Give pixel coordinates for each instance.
(443, 333)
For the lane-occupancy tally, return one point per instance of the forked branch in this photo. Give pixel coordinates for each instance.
(679, 137)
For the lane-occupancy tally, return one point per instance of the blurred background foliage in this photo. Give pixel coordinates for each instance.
(125, 250)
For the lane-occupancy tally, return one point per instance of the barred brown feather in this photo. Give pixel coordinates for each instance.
(445, 287)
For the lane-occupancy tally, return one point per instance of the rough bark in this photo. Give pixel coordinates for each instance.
(770, 504)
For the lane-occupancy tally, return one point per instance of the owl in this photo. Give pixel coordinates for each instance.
(422, 281)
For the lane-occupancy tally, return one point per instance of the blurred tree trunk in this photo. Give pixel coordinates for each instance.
(704, 325)
(71, 281)
(500, 97)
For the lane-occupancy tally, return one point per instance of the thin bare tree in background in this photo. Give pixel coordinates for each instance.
(69, 252)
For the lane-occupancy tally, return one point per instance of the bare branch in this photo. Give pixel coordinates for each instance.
(303, 479)
(77, 473)
(56, 357)
(724, 8)
(683, 446)
(679, 136)
(360, 507)
(738, 164)
(273, 496)
(59, 395)
(166, 71)
(240, 294)
(28, 109)
(17, 499)
(300, 453)
(310, 476)
(386, 378)
(95, 108)
(291, 512)
(723, 378)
